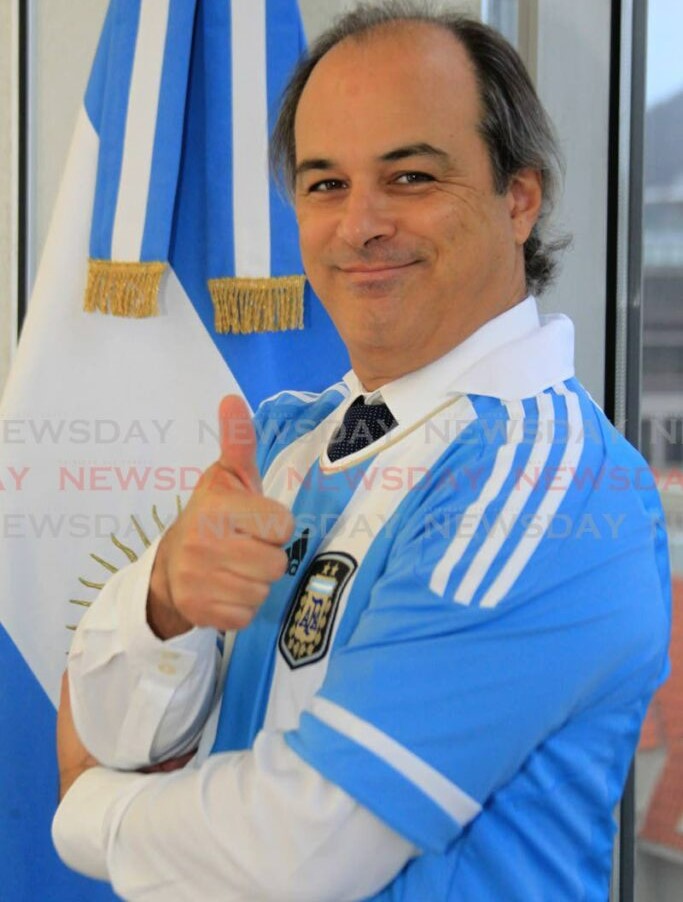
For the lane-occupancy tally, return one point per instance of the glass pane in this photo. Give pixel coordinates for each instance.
(502, 15)
(659, 774)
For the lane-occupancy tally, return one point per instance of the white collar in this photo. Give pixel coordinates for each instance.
(513, 356)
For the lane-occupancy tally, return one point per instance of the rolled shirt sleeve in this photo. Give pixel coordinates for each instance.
(136, 699)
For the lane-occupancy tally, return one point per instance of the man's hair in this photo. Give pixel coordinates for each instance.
(514, 125)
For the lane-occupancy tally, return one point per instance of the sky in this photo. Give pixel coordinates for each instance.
(665, 58)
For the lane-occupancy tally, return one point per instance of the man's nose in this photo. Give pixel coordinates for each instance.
(367, 214)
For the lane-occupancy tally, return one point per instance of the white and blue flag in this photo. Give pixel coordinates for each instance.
(169, 226)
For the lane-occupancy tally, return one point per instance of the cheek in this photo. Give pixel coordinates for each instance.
(307, 243)
(312, 234)
(456, 226)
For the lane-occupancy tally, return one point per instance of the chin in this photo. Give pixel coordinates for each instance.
(374, 347)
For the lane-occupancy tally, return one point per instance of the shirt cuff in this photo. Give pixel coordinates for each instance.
(82, 823)
(121, 611)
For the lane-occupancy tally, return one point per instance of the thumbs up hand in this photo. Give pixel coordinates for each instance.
(238, 442)
(216, 563)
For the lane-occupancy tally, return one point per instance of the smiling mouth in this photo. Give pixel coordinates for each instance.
(384, 269)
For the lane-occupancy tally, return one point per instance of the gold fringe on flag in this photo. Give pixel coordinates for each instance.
(244, 306)
(123, 289)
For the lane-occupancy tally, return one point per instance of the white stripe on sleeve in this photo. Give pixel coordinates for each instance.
(475, 511)
(548, 507)
(453, 800)
(514, 505)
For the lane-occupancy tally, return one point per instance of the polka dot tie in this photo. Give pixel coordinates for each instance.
(362, 424)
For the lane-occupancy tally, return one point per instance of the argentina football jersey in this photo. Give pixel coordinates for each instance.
(454, 646)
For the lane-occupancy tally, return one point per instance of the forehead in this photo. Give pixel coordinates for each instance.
(407, 80)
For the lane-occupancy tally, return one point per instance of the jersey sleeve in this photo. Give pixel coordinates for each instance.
(443, 693)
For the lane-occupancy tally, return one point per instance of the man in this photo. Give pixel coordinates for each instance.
(445, 602)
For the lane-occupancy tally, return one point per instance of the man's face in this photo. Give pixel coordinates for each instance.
(403, 236)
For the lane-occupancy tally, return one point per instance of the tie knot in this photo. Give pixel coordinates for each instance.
(362, 424)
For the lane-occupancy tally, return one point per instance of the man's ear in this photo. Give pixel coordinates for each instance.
(525, 196)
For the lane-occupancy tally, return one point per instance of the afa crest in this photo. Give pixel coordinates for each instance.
(306, 631)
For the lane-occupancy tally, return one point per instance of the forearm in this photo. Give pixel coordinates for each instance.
(137, 699)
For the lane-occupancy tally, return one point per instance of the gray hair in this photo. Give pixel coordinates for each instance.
(514, 125)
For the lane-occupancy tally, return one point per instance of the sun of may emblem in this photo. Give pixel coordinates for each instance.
(129, 554)
(307, 629)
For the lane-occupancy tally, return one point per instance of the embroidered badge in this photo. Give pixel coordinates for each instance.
(305, 634)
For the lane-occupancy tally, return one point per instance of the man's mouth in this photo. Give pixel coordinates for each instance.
(365, 270)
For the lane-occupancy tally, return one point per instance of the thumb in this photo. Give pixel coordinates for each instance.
(238, 441)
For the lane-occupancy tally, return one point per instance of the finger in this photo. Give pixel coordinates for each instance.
(172, 764)
(232, 617)
(227, 616)
(223, 544)
(202, 605)
(241, 516)
(238, 441)
(255, 559)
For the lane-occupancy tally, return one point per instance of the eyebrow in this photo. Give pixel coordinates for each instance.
(414, 150)
(421, 149)
(308, 165)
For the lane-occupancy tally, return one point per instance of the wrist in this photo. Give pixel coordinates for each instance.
(69, 775)
(163, 617)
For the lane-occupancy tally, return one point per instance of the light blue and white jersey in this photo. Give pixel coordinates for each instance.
(474, 619)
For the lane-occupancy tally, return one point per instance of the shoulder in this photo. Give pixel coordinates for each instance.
(546, 491)
(288, 415)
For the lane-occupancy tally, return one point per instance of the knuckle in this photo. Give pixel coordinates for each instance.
(201, 618)
(212, 524)
(280, 563)
(242, 617)
(257, 592)
(288, 524)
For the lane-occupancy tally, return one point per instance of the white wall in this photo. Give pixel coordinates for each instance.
(318, 14)
(64, 38)
(573, 58)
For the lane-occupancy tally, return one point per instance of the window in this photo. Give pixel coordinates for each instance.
(659, 770)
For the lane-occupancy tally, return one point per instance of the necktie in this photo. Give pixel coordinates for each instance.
(362, 424)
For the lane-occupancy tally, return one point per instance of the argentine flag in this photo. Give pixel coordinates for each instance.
(167, 224)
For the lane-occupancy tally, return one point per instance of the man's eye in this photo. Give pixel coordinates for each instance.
(325, 185)
(413, 178)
